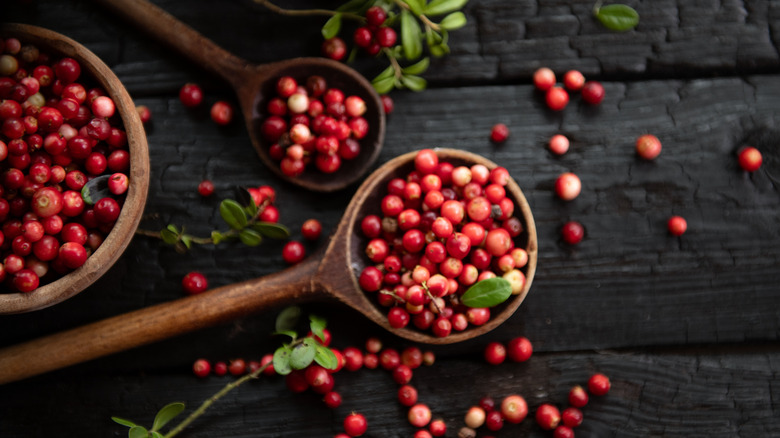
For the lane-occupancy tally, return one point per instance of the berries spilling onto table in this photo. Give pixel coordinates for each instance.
(438, 231)
(58, 130)
(312, 125)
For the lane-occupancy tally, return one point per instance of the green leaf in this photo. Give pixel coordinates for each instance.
(455, 20)
(487, 293)
(272, 230)
(137, 432)
(386, 73)
(303, 354)
(288, 318)
(317, 325)
(282, 360)
(417, 68)
(352, 6)
(217, 237)
(186, 240)
(96, 189)
(331, 27)
(168, 236)
(252, 210)
(325, 357)
(439, 50)
(441, 7)
(416, 6)
(414, 83)
(290, 333)
(124, 422)
(233, 214)
(617, 17)
(166, 414)
(410, 36)
(384, 86)
(156, 434)
(250, 237)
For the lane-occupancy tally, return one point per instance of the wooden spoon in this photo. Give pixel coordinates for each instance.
(331, 274)
(253, 84)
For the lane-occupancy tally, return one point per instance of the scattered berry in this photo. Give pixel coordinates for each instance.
(206, 188)
(593, 92)
(677, 225)
(293, 252)
(559, 144)
(573, 80)
(221, 113)
(544, 79)
(201, 368)
(495, 353)
(191, 95)
(572, 232)
(499, 133)
(578, 397)
(194, 283)
(568, 186)
(599, 384)
(548, 416)
(311, 229)
(355, 424)
(514, 409)
(648, 146)
(557, 98)
(519, 349)
(750, 158)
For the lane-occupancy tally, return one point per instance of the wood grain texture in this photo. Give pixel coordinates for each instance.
(687, 328)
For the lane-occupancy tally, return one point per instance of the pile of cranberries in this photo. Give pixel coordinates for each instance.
(313, 125)
(557, 97)
(57, 131)
(441, 229)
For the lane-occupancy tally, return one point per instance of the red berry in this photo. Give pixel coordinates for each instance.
(221, 113)
(286, 86)
(376, 16)
(144, 113)
(311, 229)
(573, 80)
(494, 420)
(191, 95)
(419, 415)
(499, 133)
(118, 183)
(387, 103)
(548, 416)
(750, 158)
(72, 254)
(220, 368)
(334, 48)
(514, 408)
(293, 252)
(107, 210)
(194, 283)
(438, 427)
(385, 36)
(571, 417)
(599, 384)
(648, 146)
(495, 353)
(677, 225)
(568, 186)
(407, 395)
(362, 37)
(332, 399)
(201, 368)
(355, 424)
(572, 232)
(237, 367)
(544, 79)
(593, 92)
(578, 397)
(475, 417)
(206, 188)
(402, 374)
(559, 144)
(563, 432)
(557, 98)
(519, 349)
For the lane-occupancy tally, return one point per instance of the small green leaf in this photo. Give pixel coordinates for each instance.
(410, 36)
(317, 326)
(439, 50)
(414, 83)
(217, 237)
(137, 432)
(384, 86)
(331, 27)
(281, 360)
(96, 189)
(156, 434)
(251, 209)
(186, 240)
(441, 7)
(617, 17)
(290, 333)
(166, 414)
(417, 68)
(352, 55)
(325, 357)
(288, 318)
(487, 293)
(455, 20)
(386, 73)
(250, 237)
(124, 422)
(233, 214)
(272, 230)
(416, 6)
(303, 354)
(168, 236)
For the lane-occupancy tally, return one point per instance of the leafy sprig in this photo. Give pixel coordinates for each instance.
(244, 225)
(303, 351)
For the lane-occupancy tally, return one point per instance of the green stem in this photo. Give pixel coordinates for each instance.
(206, 404)
(308, 12)
(427, 21)
(393, 62)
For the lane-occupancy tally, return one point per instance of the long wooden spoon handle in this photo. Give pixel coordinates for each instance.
(166, 28)
(158, 322)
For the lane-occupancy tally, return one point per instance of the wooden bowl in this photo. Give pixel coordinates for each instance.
(117, 240)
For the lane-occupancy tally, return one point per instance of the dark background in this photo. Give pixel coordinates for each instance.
(687, 328)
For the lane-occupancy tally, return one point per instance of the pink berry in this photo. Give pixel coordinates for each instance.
(221, 113)
(559, 144)
(568, 186)
(750, 158)
(648, 146)
(557, 98)
(514, 408)
(544, 79)
(573, 80)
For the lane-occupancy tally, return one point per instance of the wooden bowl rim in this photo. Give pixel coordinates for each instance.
(124, 229)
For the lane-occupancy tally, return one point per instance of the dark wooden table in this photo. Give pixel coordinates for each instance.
(686, 327)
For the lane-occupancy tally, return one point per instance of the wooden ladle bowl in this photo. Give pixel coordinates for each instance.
(331, 274)
(117, 240)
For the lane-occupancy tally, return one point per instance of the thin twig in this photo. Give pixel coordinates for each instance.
(402, 4)
(307, 12)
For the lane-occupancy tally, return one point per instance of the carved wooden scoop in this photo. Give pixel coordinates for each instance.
(331, 274)
(254, 84)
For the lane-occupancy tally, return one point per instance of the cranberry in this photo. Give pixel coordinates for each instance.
(494, 420)
(144, 113)
(557, 98)
(376, 16)
(221, 113)
(487, 403)
(648, 146)
(514, 409)
(67, 70)
(578, 397)
(387, 103)
(419, 415)
(398, 317)
(544, 79)
(677, 225)
(311, 229)
(559, 144)
(286, 86)
(191, 95)
(46, 202)
(107, 210)
(407, 395)
(362, 37)
(293, 252)
(593, 92)
(201, 368)
(571, 417)
(573, 80)
(495, 353)
(499, 133)
(194, 283)
(599, 384)
(749, 158)
(334, 48)
(385, 36)
(402, 374)
(205, 188)
(26, 280)
(475, 417)
(568, 186)
(563, 432)
(237, 367)
(332, 399)
(548, 416)
(103, 106)
(572, 232)
(519, 349)
(355, 424)
(72, 254)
